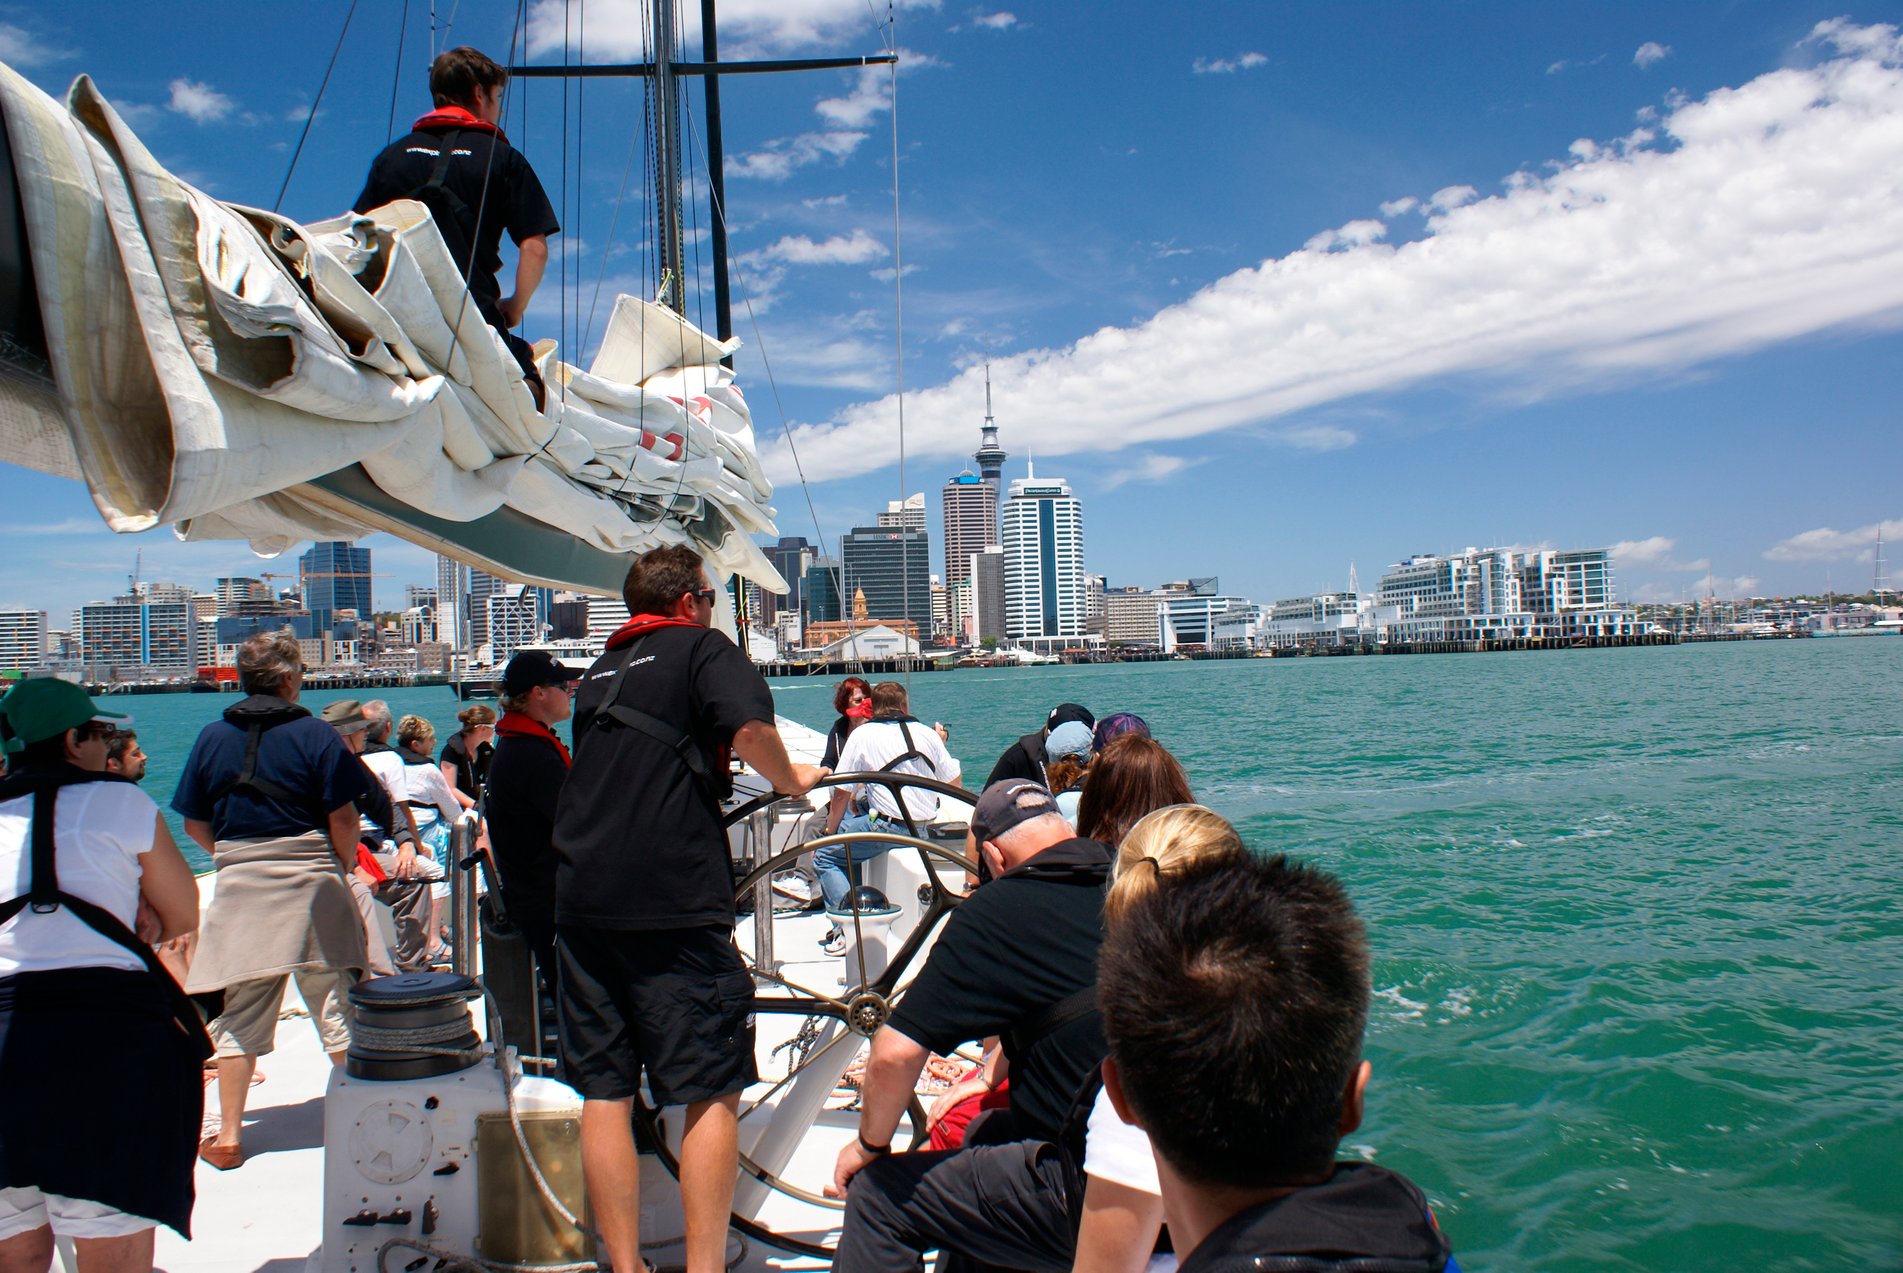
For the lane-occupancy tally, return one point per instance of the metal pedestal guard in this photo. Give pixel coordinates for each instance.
(463, 861)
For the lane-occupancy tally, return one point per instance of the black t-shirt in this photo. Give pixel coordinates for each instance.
(516, 201)
(835, 740)
(1363, 1216)
(638, 842)
(1022, 759)
(525, 782)
(1019, 945)
(469, 769)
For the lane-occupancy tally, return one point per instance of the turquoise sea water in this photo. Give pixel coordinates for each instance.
(1637, 918)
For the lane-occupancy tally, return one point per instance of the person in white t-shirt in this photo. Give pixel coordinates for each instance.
(1123, 1204)
(99, 1131)
(891, 742)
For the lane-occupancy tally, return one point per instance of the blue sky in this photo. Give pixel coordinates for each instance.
(1277, 287)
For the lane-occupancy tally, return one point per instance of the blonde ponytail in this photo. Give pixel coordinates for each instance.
(1161, 843)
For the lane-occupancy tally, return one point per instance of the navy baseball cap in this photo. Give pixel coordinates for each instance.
(1009, 803)
(531, 668)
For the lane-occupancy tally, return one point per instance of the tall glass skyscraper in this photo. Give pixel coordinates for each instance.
(336, 576)
(890, 565)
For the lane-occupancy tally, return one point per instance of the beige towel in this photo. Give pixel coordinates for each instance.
(282, 905)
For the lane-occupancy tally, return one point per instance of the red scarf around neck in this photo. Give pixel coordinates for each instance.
(642, 624)
(517, 725)
(456, 117)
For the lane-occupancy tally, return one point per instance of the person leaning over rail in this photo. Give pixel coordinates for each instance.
(1234, 1000)
(457, 162)
(1017, 959)
(648, 977)
(99, 1049)
(270, 792)
(1025, 758)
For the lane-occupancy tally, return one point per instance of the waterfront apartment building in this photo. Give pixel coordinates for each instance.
(1324, 619)
(336, 576)
(1043, 542)
(130, 638)
(1499, 594)
(24, 641)
(891, 566)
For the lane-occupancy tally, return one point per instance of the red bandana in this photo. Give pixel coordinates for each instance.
(642, 624)
(455, 117)
(516, 725)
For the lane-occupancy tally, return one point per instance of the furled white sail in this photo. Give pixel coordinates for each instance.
(234, 374)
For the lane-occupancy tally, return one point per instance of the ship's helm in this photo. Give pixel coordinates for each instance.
(434, 1140)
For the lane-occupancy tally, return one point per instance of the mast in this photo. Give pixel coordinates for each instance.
(667, 161)
(716, 176)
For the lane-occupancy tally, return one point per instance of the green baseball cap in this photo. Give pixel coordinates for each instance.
(45, 707)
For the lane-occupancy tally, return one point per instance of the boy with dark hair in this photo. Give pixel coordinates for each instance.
(458, 164)
(1234, 1003)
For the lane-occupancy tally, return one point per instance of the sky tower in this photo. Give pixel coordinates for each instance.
(990, 456)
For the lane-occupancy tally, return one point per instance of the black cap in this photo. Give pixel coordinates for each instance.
(531, 668)
(1069, 711)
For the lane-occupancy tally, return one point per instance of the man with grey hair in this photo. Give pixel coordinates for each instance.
(269, 792)
(1019, 960)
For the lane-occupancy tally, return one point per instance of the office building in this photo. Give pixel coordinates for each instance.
(452, 604)
(908, 513)
(970, 508)
(1043, 544)
(606, 615)
(1132, 616)
(336, 576)
(482, 586)
(891, 567)
(791, 557)
(23, 640)
(240, 594)
(130, 638)
(987, 596)
(517, 615)
(821, 591)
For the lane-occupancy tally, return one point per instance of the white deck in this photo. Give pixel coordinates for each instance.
(266, 1216)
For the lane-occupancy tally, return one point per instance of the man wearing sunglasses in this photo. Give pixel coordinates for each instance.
(648, 975)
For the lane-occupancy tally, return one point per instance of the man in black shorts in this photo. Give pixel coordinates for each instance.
(458, 164)
(647, 974)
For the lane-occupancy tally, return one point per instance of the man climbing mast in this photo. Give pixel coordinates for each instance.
(457, 162)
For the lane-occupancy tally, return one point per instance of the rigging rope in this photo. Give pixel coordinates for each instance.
(396, 76)
(898, 325)
(315, 103)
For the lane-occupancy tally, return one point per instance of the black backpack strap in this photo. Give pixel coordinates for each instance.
(1054, 1017)
(45, 896)
(911, 752)
(247, 779)
(615, 711)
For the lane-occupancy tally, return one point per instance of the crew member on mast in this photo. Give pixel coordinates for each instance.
(457, 162)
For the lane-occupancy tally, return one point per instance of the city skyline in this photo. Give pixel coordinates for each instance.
(1494, 275)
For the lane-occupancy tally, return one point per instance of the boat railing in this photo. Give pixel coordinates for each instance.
(464, 860)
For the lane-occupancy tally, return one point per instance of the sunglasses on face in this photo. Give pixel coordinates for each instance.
(93, 732)
(706, 594)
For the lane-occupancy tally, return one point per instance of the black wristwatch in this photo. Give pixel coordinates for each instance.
(875, 1150)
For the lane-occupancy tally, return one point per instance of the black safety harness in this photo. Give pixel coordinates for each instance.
(613, 712)
(45, 896)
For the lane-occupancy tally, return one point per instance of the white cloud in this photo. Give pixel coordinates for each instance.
(996, 21)
(1722, 586)
(1650, 54)
(1642, 552)
(1447, 198)
(847, 249)
(1228, 65)
(22, 48)
(1826, 544)
(201, 103)
(779, 158)
(1399, 207)
(748, 28)
(1356, 234)
(1761, 214)
(1154, 467)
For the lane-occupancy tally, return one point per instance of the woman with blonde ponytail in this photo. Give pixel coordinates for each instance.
(1123, 1206)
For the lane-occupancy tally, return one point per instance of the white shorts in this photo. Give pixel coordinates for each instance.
(24, 1210)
